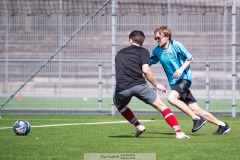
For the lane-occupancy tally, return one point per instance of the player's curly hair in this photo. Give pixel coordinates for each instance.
(165, 30)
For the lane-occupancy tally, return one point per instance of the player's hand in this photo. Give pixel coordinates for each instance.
(177, 73)
(161, 88)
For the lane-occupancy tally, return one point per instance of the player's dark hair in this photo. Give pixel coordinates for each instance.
(137, 37)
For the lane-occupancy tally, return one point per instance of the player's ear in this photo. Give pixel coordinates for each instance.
(130, 41)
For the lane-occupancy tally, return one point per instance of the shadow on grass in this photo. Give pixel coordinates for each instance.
(146, 135)
(164, 133)
(150, 135)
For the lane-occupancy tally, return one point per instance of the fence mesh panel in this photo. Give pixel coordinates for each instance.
(31, 31)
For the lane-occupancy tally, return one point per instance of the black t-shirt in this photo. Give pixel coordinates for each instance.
(128, 67)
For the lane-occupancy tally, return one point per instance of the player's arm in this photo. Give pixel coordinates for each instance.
(178, 72)
(188, 59)
(153, 58)
(149, 76)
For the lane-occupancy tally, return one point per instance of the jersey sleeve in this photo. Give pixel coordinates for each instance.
(183, 51)
(153, 57)
(145, 56)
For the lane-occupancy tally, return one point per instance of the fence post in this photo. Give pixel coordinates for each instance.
(100, 100)
(113, 109)
(207, 66)
(60, 41)
(6, 65)
(234, 70)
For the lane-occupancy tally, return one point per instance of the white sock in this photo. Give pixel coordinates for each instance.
(196, 117)
(221, 123)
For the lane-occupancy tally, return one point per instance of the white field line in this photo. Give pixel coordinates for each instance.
(76, 124)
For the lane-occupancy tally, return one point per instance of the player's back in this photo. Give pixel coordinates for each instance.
(128, 67)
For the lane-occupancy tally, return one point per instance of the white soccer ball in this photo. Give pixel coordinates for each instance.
(21, 127)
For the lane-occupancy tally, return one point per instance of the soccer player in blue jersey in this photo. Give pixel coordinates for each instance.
(175, 60)
(132, 63)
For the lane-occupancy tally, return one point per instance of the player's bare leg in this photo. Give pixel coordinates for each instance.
(200, 112)
(173, 99)
(198, 122)
(223, 126)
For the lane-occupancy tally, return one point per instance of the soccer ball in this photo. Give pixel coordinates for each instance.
(21, 127)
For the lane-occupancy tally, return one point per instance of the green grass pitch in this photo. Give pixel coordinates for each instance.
(92, 104)
(71, 141)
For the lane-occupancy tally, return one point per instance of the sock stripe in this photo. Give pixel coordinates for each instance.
(171, 119)
(169, 114)
(176, 128)
(124, 109)
(134, 120)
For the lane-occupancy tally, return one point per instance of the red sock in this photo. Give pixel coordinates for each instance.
(128, 115)
(171, 120)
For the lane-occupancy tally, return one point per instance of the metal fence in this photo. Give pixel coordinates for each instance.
(79, 79)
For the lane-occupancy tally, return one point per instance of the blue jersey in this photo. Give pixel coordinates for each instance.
(172, 59)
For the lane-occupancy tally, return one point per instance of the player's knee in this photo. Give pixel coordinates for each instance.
(118, 106)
